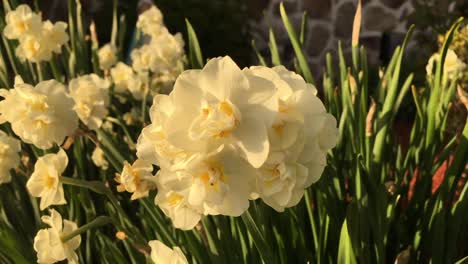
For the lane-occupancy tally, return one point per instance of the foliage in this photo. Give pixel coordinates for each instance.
(373, 204)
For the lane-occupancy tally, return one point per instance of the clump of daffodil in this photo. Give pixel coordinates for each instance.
(225, 135)
(38, 40)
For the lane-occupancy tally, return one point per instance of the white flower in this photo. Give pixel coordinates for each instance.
(150, 22)
(55, 35)
(137, 179)
(142, 58)
(161, 253)
(21, 22)
(281, 182)
(48, 242)
(107, 56)
(163, 56)
(45, 180)
(176, 207)
(40, 115)
(34, 48)
(152, 143)
(452, 66)
(125, 79)
(220, 105)
(9, 156)
(217, 183)
(168, 54)
(99, 158)
(300, 137)
(91, 96)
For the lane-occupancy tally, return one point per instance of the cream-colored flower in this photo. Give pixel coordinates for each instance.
(137, 179)
(48, 242)
(281, 182)
(217, 183)
(142, 58)
(124, 78)
(221, 105)
(161, 253)
(300, 137)
(99, 158)
(175, 205)
(45, 180)
(452, 66)
(163, 56)
(34, 48)
(107, 56)
(9, 156)
(91, 95)
(150, 22)
(40, 115)
(21, 22)
(152, 143)
(55, 35)
(168, 55)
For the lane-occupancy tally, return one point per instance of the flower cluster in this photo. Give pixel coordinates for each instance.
(38, 40)
(42, 115)
(91, 95)
(162, 55)
(226, 135)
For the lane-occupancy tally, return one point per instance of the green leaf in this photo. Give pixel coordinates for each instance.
(345, 249)
(303, 64)
(195, 54)
(275, 57)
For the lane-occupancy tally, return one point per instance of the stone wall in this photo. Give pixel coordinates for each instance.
(329, 21)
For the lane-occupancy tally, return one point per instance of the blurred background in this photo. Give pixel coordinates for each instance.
(229, 26)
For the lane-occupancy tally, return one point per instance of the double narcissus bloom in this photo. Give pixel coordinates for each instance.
(161, 253)
(45, 180)
(161, 55)
(225, 135)
(49, 243)
(300, 137)
(37, 40)
(9, 156)
(125, 78)
(151, 21)
(107, 55)
(41, 115)
(91, 96)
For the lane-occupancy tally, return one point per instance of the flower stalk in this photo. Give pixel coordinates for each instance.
(97, 222)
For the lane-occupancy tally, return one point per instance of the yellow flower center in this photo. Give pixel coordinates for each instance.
(174, 199)
(50, 182)
(215, 121)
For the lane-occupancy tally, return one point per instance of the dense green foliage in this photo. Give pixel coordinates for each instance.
(373, 203)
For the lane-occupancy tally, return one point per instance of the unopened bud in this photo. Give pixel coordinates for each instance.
(370, 119)
(121, 235)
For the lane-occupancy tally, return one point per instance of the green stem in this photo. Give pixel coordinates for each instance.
(55, 69)
(99, 221)
(95, 186)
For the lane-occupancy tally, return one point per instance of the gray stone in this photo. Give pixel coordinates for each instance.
(318, 38)
(376, 18)
(317, 8)
(393, 3)
(344, 20)
(255, 8)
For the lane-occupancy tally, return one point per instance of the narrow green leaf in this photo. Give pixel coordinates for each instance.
(303, 64)
(195, 54)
